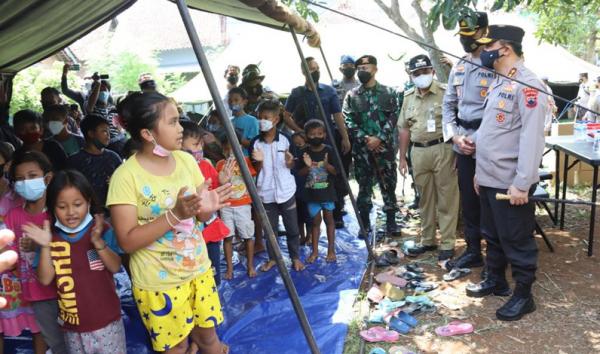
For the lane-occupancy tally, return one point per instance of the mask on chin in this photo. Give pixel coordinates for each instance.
(469, 44)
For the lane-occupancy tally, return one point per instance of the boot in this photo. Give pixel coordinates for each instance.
(495, 283)
(366, 220)
(468, 259)
(391, 226)
(520, 304)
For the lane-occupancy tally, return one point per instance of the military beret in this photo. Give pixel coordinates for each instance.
(421, 61)
(366, 59)
(251, 72)
(481, 22)
(502, 32)
(346, 59)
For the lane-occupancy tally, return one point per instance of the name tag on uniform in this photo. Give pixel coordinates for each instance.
(431, 125)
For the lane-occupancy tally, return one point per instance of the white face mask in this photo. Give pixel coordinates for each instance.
(55, 127)
(423, 81)
(265, 125)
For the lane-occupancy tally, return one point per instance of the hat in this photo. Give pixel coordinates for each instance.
(346, 59)
(421, 61)
(366, 59)
(251, 72)
(144, 78)
(481, 21)
(502, 32)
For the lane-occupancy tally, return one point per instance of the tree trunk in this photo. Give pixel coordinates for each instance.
(590, 53)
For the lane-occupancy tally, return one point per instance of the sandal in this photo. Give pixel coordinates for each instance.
(406, 318)
(456, 273)
(421, 299)
(412, 276)
(390, 278)
(398, 325)
(391, 292)
(454, 328)
(386, 305)
(379, 334)
(374, 294)
(414, 267)
(400, 350)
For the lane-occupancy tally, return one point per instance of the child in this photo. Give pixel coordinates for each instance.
(158, 201)
(275, 183)
(320, 191)
(238, 216)
(30, 173)
(213, 228)
(245, 124)
(56, 120)
(95, 161)
(28, 127)
(304, 221)
(79, 256)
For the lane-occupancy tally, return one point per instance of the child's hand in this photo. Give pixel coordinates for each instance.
(326, 163)
(289, 158)
(258, 155)
(96, 236)
(187, 206)
(227, 172)
(212, 201)
(40, 236)
(307, 160)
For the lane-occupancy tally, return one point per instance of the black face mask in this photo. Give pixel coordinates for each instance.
(316, 75)
(364, 76)
(233, 79)
(315, 142)
(348, 72)
(468, 43)
(256, 90)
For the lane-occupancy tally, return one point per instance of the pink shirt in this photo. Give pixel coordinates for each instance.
(32, 289)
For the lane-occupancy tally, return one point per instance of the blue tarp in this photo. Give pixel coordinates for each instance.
(259, 317)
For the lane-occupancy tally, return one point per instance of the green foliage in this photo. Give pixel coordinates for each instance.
(449, 12)
(303, 9)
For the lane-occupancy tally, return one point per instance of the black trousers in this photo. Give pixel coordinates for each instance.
(289, 214)
(340, 185)
(508, 231)
(469, 202)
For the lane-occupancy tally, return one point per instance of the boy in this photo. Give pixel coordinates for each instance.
(304, 221)
(245, 125)
(238, 216)
(320, 190)
(95, 161)
(56, 117)
(275, 183)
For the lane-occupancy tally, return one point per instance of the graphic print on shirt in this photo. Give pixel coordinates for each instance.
(238, 186)
(65, 284)
(317, 176)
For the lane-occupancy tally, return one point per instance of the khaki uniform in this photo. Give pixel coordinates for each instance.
(433, 166)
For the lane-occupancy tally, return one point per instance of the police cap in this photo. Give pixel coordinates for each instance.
(502, 32)
(481, 21)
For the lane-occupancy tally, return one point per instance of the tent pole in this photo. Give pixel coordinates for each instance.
(326, 64)
(338, 160)
(239, 156)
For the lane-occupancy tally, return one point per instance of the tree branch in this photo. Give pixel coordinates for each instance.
(393, 12)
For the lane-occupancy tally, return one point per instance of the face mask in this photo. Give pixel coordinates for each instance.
(159, 150)
(76, 229)
(423, 81)
(55, 127)
(103, 96)
(468, 43)
(31, 138)
(348, 72)
(98, 144)
(315, 141)
(265, 125)
(316, 75)
(198, 155)
(256, 90)
(233, 79)
(235, 108)
(364, 76)
(212, 127)
(488, 57)
(31, 189)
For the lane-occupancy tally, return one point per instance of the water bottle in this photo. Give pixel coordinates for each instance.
(596, 146)
(579, 130)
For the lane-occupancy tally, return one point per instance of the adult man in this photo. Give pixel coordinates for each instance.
(552, 109)
(462, 112)
(594, 104)
(146, 83)
(420, 124)
(232, 76)
(510, 142)
(252, 84)
(371, 112)
(583, 95)
(301, 106)
(75, 95)
(348, 82)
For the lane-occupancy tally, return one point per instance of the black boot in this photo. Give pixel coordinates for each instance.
(496, 285)
(520, 304)
(366, 221)
(391, 226)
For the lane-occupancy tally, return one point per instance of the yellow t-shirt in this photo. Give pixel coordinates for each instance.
(175, 258)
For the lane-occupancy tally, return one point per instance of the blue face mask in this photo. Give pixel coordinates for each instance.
(489, 57)
(76, 229)
(31, 189)
(103, 96)
(235, 108)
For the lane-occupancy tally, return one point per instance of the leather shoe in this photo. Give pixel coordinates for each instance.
(445, 255)
(468, 260)
(415, 251)
(515, 308)
(488, 287)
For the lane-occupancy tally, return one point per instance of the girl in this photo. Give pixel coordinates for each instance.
(30, 173)
(158, 201)
(80, 255)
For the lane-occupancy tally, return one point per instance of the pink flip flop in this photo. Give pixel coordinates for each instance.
(454, 328)
(379, 334)
(375, 294)
(392, 279)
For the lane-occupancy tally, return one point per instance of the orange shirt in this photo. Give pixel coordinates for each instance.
(239, 195)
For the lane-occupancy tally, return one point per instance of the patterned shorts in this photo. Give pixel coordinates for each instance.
(170, 315)
(110, 339)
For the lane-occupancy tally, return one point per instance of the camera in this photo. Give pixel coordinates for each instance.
(99, 77)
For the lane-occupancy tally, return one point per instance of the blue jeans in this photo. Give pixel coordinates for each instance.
(214, 254)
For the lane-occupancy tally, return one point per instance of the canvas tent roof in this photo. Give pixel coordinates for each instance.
(31, 30)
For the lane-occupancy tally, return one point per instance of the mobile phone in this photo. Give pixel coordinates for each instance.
(74, 67)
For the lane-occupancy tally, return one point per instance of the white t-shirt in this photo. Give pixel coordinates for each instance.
(275, 182)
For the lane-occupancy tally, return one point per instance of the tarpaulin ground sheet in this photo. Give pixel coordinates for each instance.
(259, 317)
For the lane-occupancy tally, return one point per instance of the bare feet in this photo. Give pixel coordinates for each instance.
(193, 348)
(228, 274)
(302, 241)
(267, 266)
(259, 247)
(298, 266)
(313, 257)
(251, 272)
(331, 258)
(225, 349)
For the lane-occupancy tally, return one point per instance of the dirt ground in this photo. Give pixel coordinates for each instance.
(567, 295)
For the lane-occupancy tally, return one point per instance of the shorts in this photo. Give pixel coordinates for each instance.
(109, 339)
(315, 208)
(239, 221)
(169, 316)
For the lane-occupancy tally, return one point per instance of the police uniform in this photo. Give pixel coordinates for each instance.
(433, 160)
(510, 143)
(462, 112)
(373, 111)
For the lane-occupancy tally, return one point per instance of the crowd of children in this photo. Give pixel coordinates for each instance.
(163, 206)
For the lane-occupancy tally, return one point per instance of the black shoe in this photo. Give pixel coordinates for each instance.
(468, 260)
(415, 251)
(445, 255)
(339, 224)
(515, 308)
(488, 287)
(414, 205)
(391, 226)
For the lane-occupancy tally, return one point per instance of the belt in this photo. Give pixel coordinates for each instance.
(470, 124)
(429, 143)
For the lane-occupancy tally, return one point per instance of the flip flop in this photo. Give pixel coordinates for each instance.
(391, 292)
(377, 351)
(379, 334)
(421, 299)
(397, 325)
(414, 267)
(412, 276)
(392, 256)
(386, 305)
(374, 294)
(456, 273)
(454, 328)
(381, 261)
(406, 318)
(390, 278)
(376, 316)
(399, 350)
(425, 287)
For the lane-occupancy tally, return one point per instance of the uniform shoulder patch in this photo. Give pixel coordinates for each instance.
(531, 97)
(443, 85)
(410, 91)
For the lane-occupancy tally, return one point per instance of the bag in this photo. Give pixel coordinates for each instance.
(215, 231)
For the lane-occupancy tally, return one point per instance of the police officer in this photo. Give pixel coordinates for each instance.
(509, 144)
(348, 82)
(462, 111)
(371, 111)
(420, 123)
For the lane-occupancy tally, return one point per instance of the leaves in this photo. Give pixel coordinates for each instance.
(303, 9)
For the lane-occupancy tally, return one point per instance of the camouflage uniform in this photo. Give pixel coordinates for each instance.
(374, 112)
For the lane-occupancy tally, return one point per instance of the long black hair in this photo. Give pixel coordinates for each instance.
(71, 178)
(141, 110)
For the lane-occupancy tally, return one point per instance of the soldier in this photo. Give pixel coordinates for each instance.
(420, 123)
(510, 142)
(371, 112)
(462, 112)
